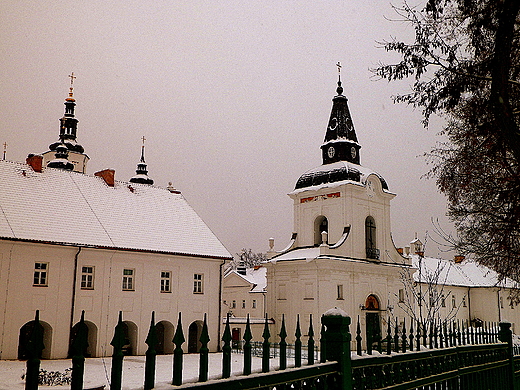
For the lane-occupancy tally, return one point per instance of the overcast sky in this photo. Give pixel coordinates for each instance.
(233, 98)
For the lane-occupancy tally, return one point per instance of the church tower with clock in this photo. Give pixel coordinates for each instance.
(341, 253)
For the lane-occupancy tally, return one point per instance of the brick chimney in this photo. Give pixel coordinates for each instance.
(35, 161)
(107, 175)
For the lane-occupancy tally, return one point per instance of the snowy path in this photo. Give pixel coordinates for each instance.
(98, 369)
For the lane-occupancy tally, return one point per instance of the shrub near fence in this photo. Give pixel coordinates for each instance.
(460, 362)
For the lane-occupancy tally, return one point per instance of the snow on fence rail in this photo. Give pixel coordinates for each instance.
(446, 355)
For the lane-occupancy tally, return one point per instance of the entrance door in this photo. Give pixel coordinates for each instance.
(373, 330)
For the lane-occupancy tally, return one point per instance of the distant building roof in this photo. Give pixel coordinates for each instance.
(71, 208)
(257, 276)
(447, 272)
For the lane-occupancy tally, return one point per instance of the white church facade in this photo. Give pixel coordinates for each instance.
(341, 253)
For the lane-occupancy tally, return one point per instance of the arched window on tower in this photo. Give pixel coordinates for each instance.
(320, 225)
(370, 239)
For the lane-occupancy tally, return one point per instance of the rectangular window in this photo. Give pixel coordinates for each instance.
(128, 280)
(166, 282)
(40, 274)
(234, 304)
(243, 304)
(340, 291)
(443, 301)
(309, 291)
(401, 295)
(254, 303)
(198, 287)
(87, 277)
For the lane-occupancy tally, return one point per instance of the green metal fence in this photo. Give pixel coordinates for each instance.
(443, 356)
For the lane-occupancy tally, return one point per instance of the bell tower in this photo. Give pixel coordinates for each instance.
(74, 153)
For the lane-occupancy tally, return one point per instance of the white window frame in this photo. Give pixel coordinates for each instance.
(87, 277)
(166, 281)
(198, 283)
(41, 274)
(128, 279)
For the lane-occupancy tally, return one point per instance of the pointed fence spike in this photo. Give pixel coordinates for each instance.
(79, 346)
(411, 335)
(298, 344)
(311, 344)
(418, 337)
(358, 338)
(118, 342)
(283, 345)
(396, 336)
(403, 336)
(178, 340)
(34, 349)
(323, 355)
(204, 352)
(151, 353)
(266, 346)
(247, 348)
(226, 350)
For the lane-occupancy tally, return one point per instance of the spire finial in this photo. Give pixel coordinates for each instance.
(339, 90)
(142, 149)
(5, 149)
(72, 77)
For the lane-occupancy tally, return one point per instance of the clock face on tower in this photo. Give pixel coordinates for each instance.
(353, 152)
(333, 123)
(331, 152)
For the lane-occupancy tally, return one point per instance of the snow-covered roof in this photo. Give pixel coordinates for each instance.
(467, 273)
(71, 208)
(298, 254)
(257, 276)
(335, 174)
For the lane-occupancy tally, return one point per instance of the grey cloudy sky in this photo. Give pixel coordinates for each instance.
(233, 98)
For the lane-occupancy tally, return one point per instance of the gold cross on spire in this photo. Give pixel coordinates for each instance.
(72, 77)
(5, 148)
(144, 139)
(338, 65)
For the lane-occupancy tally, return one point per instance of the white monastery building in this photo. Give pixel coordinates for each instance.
(72, 242)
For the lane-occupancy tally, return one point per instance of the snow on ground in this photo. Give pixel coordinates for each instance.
(97, 370)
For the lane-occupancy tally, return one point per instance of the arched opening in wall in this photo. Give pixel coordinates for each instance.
(373, 321)
(321, 224)
(130, 330)
(92, 330)
(370, 239)
(194, 332)
(24, 337)
(164, 338)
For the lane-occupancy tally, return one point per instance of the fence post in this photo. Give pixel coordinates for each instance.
(506, 336)
(34, 349)
(337, 340)
(283, 345)
(117, 356)
(298, 344)
(204, 351)
(79, 344)
(265, 347)
(310, 344)
(247, 348)
(151, 353)
(178, 340)
(226, 350)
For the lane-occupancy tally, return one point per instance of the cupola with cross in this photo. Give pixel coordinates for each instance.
(75, 153)
(141, 173)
